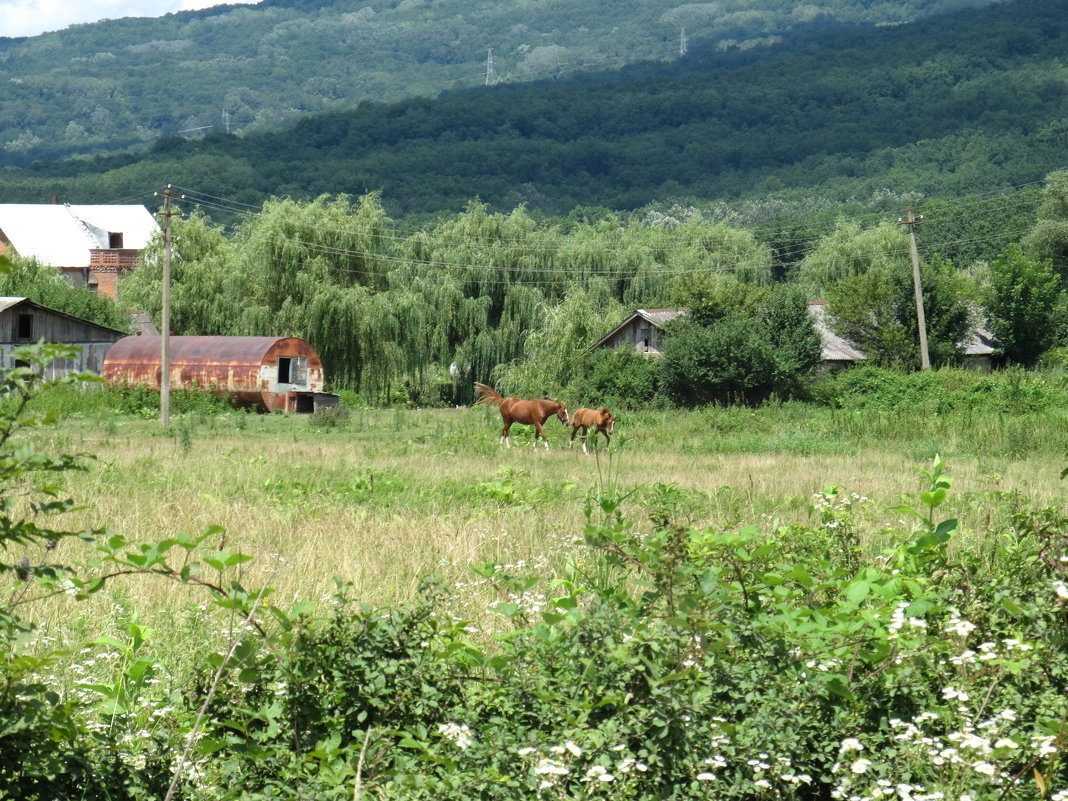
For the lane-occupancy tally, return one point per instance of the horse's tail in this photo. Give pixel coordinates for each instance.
(487, 395)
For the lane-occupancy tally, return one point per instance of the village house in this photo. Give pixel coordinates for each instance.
(90, 245)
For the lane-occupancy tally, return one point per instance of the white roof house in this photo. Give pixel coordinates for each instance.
(91, 245)
(63, 235)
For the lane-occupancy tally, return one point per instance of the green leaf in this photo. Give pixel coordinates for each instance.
(857, 591)
(1011, 606)
(933, 499)
(944, 529)
(506, 609)
(801, 576)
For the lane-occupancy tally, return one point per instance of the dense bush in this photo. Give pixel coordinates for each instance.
(730, 362)
(618, 378)
(682, 663)
(943, 391)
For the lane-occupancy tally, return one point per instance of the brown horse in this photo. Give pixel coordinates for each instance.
(528, 412)
(601, 420)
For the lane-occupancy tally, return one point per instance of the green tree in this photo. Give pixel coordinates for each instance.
(729, 362)
(551, 354)
(876, 311)
(1021, 306)
(852, 250)
(862, 310)
(1048, 238)
(204, 278)
(794, 339)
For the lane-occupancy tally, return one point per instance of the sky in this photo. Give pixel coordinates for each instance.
(31, 17)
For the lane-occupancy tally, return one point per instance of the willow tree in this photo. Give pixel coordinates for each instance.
(290, 248)
(711, 247)
(851, 250)
(487, 253)
(551, 353)
(204, 281)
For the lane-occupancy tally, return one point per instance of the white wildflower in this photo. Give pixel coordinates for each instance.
(459, 734)
(550, 766)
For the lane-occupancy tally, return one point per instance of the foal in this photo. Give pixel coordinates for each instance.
(601, 420)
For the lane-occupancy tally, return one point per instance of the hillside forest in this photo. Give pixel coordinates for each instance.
(971, 102)
(239, 68)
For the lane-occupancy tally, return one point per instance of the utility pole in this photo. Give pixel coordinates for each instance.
(165, 317)
(491, 74)
(921, 321)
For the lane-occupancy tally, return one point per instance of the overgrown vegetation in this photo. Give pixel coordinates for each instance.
(414, 316)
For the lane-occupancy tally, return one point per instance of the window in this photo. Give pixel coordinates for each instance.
(25, 328)
(115, 240)
(292, 370)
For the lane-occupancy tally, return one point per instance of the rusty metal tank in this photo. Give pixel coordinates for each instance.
(267, 373)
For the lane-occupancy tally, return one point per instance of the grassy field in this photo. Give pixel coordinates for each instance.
(383, 498)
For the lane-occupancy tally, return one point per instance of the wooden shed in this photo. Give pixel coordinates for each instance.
(642, 331)
(23, 322)
(265, 373)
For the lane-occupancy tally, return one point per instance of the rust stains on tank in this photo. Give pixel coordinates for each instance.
(263, 372)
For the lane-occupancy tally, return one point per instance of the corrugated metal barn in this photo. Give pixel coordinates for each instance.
(23, 322)
(265, 373)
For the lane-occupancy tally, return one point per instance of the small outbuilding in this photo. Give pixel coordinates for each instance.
(24, 322)
(642, 331)
(264, 373)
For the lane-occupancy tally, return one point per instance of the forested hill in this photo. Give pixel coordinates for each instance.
(245, 67)
(969, 102)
